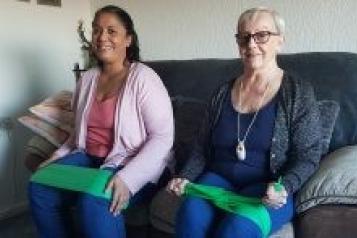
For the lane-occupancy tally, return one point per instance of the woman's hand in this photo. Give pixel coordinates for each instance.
(177, 186)
(273, 198)
(121, 194)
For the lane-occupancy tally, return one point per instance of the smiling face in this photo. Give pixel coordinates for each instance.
(109, 38)
(256, 56)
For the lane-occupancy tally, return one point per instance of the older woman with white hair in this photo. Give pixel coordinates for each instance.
(261, 127)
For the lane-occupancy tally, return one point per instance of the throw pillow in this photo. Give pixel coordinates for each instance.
(51, 133)
(41, 147)
(56, 110)
(335, 182)
(38, 149)
(328, 114)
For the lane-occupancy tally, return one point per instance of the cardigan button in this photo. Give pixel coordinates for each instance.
(273, 156)
(273, 139)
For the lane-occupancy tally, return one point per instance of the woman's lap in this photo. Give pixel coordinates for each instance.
(93, 212)
(227, 221)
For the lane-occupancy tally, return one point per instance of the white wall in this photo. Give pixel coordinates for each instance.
(38, 47)
(172, 29)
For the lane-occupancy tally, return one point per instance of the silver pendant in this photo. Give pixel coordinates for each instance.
(240, 150)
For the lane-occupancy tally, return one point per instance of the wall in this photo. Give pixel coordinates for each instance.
(38, 47)
(172, 29)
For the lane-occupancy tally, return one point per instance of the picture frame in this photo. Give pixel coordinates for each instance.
(56, 3)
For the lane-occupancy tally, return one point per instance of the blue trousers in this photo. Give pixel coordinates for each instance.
(198, 218)
(52, 208)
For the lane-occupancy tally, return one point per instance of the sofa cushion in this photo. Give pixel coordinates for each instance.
(37, 149)
(327, 221)
(328, 114)
(56, 110)
(188, 115)
(40, 146)
(54, 135)
(335, 182)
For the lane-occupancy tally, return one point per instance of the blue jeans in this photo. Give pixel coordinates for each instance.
(198, 218)
(52, 207)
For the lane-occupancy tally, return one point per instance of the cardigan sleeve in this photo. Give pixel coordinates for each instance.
(155, 107)
(305, 139)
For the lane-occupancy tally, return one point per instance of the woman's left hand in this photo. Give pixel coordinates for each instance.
(273, 198)
(120, 195)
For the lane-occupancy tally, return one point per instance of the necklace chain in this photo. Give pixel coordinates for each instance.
(254, 116)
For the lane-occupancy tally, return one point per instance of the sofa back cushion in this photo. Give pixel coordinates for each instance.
(333, 75)
(188, 115)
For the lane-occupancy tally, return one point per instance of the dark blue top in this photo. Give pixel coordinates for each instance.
(255, 167)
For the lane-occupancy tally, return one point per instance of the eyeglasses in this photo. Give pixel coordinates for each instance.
(260, 37)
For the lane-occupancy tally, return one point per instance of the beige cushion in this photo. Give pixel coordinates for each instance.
(163, 212)
(56, 110)
(40, 127)
(52, 118)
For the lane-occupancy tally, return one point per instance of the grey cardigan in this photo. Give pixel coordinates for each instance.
(296, 149)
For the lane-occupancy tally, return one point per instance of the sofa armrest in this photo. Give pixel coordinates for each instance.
(335, 182)
(37, 150)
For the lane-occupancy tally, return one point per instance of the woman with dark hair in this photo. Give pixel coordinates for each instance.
(117, 128)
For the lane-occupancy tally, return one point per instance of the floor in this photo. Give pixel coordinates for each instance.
(22, 226)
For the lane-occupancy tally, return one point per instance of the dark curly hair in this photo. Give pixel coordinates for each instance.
(133, 51)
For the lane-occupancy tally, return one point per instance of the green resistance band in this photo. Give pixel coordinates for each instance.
(249, 207)
(278, 186)
(74, 178)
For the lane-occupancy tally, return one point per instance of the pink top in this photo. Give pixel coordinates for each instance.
(143, 125)
(100, 131)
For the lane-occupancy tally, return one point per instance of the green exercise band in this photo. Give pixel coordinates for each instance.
(249, 207)
(278, 186)
(94, 181)
(80, 179)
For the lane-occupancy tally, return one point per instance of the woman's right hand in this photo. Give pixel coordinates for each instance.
(177, 186)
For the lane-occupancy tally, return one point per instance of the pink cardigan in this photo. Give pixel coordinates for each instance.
(144, 128)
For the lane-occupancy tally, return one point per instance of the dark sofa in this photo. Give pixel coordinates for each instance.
(334, 76)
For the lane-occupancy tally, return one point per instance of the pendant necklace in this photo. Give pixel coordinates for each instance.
(240, 149)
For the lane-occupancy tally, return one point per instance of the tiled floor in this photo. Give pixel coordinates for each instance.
(22, 226)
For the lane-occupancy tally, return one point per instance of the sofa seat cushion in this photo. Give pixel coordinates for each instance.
(165, 205)
(335, 182)
(327, 221)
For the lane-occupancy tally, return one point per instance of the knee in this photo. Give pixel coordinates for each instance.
(89, 205)
(195, 212)
(238, 227)
(96, 220)
(37, 192)
(41, 196)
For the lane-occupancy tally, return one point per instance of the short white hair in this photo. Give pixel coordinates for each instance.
(278, 20)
